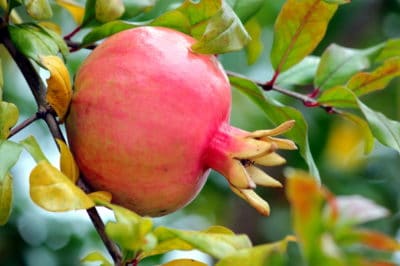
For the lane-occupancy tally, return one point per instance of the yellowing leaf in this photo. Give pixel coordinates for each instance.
(38, 9)
(51, 26)
(6, 196)
(184, 262)
(53, 191)
(96, 257)
(299, 28)
(103, 196)
(77, 11)
(59, 89)
(345, 145)
(255, 46)
(8, 118)
(67, 162)
(108, 10)
(363, 83)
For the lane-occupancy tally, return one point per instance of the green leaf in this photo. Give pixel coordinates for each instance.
(246, 9)
(339, 63)
(38, 9)
(277, 114)
(13, 3)
(106, 30)
(134, 8)
(300, 74)
(213, 242)
(32, 146)
(8, 118)
(212, 23)
(90, 14)
(299, 28)
(6, 197)
(34, 41)
(390, 49)
(131, 231)
(57, 39)
(385, 130)
(255, 47)
(108, 10)
(1, 81)
(9, 154)
(53, 191)
(256, 256)
(338, 96)
(96, 256)
(364, 83)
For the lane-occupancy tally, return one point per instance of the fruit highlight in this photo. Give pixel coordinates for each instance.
(149, 118)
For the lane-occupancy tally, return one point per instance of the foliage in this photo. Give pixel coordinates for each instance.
(342, 80)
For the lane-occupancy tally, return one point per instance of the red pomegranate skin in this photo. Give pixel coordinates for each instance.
(149, 118)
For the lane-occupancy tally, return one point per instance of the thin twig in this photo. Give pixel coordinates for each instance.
(23, 124)
(305, 99)
(38, 90)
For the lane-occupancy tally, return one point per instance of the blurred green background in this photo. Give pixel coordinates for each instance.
(36, 237)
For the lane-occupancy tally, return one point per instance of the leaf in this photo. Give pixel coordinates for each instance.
(299, 28)
(59, 88)
(76, 10)
(224, 33)
(131, 231)
(1, 80)
(256, 256)
(385, 130)
(9, 154)
(363, 83)
(278, 114)
(357, 209)
(8, 118)
(53, 191)
(306, 200)
(246, 9)
(134, 8)
(255, 46)
(390, 49)
(68, 165)
(184, 262)
(32, 146)
(365, 130)
(103, 196)
(300, 74)
(96, 256)
(108, 10)
(339, 63)
(90, 16)
(338, 96)
(213, 243)
(340, 2)
(34, 41)
(106, 30)
(375, 240)
(38, 9)
(6, 198)
(212, 23)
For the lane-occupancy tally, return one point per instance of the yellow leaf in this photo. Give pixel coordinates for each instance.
(6, 196)
(184, 262)
(77, 11)
(51, 26)
(67, 162)
(59, 89)
(53, 191)
(103, 196)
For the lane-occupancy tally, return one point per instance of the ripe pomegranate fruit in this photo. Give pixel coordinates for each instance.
(149, 118)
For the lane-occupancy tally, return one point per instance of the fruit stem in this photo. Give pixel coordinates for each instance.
(44, 112)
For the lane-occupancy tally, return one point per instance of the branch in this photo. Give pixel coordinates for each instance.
(38, 90)
(305, 99)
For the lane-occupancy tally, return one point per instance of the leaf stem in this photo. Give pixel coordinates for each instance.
(38, 90)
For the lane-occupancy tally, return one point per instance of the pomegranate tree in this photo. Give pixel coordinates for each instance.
(149, 119)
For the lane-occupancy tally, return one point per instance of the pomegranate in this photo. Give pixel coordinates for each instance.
(149, 119)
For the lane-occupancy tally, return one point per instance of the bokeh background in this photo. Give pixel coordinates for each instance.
(36, 237)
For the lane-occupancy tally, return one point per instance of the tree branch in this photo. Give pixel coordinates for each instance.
(38, 90)
(305, 99)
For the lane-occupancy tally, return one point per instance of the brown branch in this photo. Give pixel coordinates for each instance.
(305, 99)
(38, 90)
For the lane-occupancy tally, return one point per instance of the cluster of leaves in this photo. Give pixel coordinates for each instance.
(324, 233)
